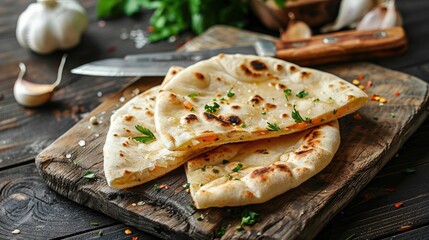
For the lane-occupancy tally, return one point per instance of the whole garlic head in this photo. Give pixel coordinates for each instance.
(51, 24)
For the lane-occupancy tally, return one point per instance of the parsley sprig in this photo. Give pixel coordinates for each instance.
(273, 127)
(230, 94)
(148, 135)
(249, 217)
(287, 93)
(238, 167)
(297, 116)
(212, 109)
(192, 95)
(302, 94)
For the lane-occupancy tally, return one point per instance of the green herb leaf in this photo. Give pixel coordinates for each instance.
(409, 170)
(156, 187)
(264, 113)
(148, 135)
(297, 117)
(243, 125)
(230, 94)
(200, 218)
(302, 94)
(192, 95)
(239, 228)
(351, 236)
(186, 186)
(221, 231)
(273, 127)
(88, 174)
(264, 151)
(215, 170)
(192, 206)
(212, 109)
(203, 168)
(335, 111)
(238, 167)
(287, 93)
(225, 161)
(249, 217)
(93, 223)
(131, 7)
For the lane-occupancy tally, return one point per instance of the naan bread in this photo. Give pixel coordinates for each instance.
(128, 163)
(268, 167)
(250, 93)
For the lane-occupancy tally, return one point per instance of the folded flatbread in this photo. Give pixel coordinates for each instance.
(255, 172)
(237, 98)
(127, 162)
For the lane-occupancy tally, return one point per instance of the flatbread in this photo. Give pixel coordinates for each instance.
(127, 162)
(256, 107)
(269, 167)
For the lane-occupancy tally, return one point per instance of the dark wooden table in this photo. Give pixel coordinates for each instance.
(27, 204)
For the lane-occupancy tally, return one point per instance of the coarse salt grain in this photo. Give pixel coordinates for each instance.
(82, 143)
(16, 231)
(93, 120)
(68, 155)
(122, 99)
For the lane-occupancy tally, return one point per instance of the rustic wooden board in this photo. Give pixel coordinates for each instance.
(367, 145)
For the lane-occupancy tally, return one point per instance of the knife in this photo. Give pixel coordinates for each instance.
(320, 49)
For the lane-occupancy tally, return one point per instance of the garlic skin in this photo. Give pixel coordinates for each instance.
(33, 94)
(350, 12)
(381, 17)
(50, 24)
(295, 30)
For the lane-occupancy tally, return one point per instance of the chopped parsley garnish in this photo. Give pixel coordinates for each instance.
(249, 217)
(238, 167)
(302, 94)
(225, 161)
(221, 231)
(392, 115)
(186, 186)
(88, 174)
(156, 187)
(297, 117)
(316, 100)
(203, 168)
(335, 111)
(243, 125)
(264, 113)
(200, 218)
(237, 179)
(215, 170)
(93, 223)
(192, 95)
(148, 135)
(264, 151)
(239, 228)
(287, 93)
(230, 94)
(201, 184)
(273, 127)
(211, 109)
(192, 206)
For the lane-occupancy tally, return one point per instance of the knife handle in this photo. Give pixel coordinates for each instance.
(343, 46)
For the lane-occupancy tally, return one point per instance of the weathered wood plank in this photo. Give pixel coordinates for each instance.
(366, 146)
(38, 212)
(116, 232)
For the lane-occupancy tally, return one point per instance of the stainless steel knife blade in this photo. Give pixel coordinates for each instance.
(152, 64)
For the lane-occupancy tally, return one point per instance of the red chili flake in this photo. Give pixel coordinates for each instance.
(390, 190)
(367, 196)
(357, 116)
(111, 49)
(150, 29)
(135, 238)
(369, 84)
(375, 97)
(396, 94)
(405, 228)
(398, 204)
(163, 186)
(360, 77)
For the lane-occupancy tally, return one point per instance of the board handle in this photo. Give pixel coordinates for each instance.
(345, 45)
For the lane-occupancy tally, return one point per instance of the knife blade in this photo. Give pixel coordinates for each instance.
(340, 46)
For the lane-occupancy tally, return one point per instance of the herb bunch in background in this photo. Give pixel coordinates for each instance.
(171, 17)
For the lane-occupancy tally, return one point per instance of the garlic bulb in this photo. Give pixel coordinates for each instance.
(350, 12)
(381, 17)
(34, 94)
(51, 24)
(295, 30)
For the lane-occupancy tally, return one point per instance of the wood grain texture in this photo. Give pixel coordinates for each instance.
(367, 145)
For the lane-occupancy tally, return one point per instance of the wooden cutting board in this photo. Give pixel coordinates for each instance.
(368, 141)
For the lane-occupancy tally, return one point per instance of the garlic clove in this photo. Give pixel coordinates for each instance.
(31, 94)
(295, 30)
(381, 17)
(350, 12)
